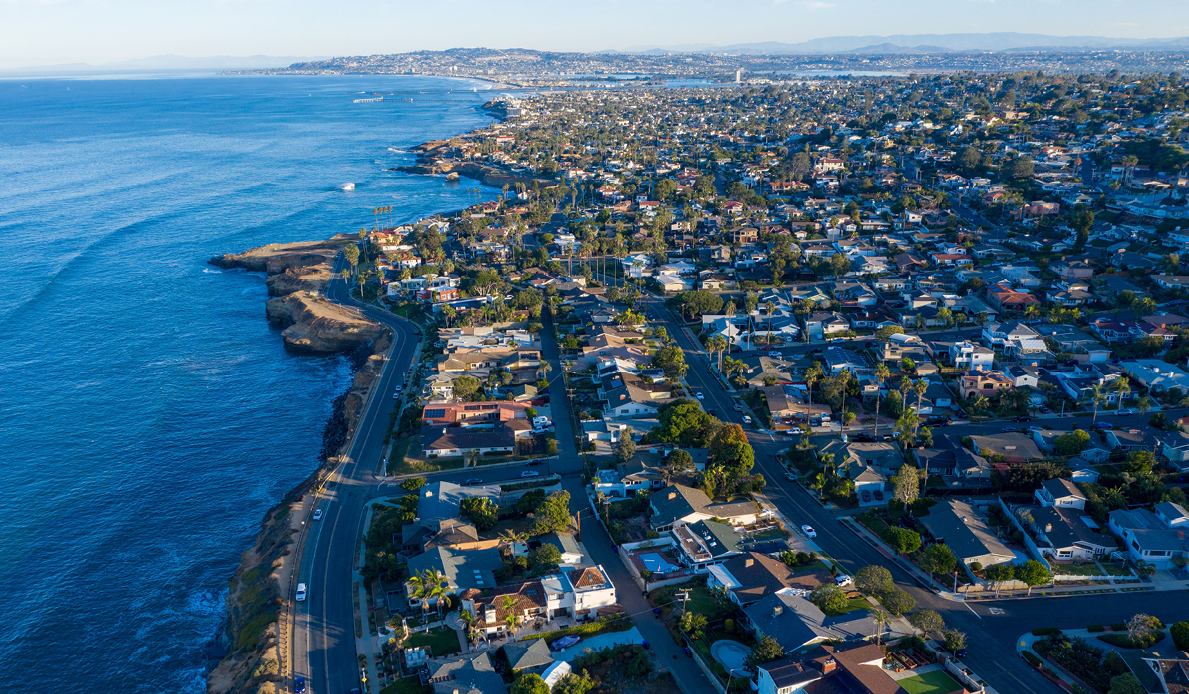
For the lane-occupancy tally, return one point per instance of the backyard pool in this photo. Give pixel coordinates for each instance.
(657, 563)
(598, 643)
(732, 655)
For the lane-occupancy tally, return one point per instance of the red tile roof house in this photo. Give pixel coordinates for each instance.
(1008, 299)
(952, 259)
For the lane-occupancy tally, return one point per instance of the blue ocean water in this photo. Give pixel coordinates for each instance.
(148, 414)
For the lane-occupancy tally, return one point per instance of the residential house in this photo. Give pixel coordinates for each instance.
(796, 623)
(788, 407)
(462, 571)
(1067, 534)
(987, 383)
(532, 655)
(849, 669)
(1156, 375)
(966, 533)
(1157, 538)
(704, 543)
(970, 356)
(440, 500)
(1014, 447)
(820, 325)
(567, 546)
(628, 395)
(1128, 440)
(1060, 492)
(1007, 299)
(627, 479)
(470, 674)
(678, 505)
(752, 576)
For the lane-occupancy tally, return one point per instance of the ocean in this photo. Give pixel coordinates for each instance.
(149, 416)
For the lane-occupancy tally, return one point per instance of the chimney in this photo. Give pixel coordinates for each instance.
(1048, 527)
(749, 562)
(778, 610)
(672, 495)
(1180, 534)
(829, 666)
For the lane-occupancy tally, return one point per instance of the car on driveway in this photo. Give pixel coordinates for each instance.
(866, 496)
(473, 480)
(809, 531)
(698, 395)
(530, 473)
(937, 421)
(878, 495)
(318, 514)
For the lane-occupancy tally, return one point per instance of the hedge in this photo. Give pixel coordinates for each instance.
(1125, 640)
(1035, 662)
(1095, 628)
(1180, 635)
(1118, 626)
(1046, 631)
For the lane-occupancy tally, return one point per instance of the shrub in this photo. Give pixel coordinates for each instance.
(1125, 640)
(1118, 626)
(1180, 635)
(1046, 631)
(729, 626)
(1033, 660)
(1095, 628)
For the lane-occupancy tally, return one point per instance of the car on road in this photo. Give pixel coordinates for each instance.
(961, 653)
(318, 514)
(1127, 410)
(530, 473)
(937, 421)
(809, 531)
(816, 350)
(1008, 430)
(1105, 425)
(1023, 418)
(790, 477)
(746, 419)
(699, 396)
(473, 480)
(396, 395)
(738, 407)
(299, 684)
(301, 592)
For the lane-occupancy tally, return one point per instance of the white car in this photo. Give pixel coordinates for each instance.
(698, 396)
(301, 592)
(530, 473)
(809, 531)
(790, 477)
(746, 419)
(318, 514)
(844, 581)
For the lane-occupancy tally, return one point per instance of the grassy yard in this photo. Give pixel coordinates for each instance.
(440, 641)
(859, 603)
(1078, 569)
(399, 463)
(409, 685)
(1115, 570)
(700, 601)
(936, 682)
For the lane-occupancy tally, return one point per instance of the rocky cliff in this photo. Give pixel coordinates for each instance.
(433, 159)
(297, 276)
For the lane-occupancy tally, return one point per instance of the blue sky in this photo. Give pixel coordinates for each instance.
(43, 32)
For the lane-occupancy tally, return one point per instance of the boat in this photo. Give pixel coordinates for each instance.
(367, 101)
(565, 642)
(348, 186)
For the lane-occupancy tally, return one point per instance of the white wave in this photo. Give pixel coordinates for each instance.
(211, 271)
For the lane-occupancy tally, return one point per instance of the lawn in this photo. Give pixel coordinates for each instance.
(1115, 570)
(409, 685)
(1078, 569)
(700, 601)
(440, 641)
(936, 682)
(858, 603)
(399, 462)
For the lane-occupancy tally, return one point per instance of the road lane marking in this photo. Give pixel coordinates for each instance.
(971, 609)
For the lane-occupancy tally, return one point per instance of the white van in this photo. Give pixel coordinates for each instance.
(301, 592)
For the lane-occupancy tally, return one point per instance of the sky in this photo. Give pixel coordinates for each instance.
(51, 32)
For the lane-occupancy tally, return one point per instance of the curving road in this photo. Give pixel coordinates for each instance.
(324, 632)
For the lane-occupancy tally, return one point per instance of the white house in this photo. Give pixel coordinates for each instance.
(1157, 538)
(1063, 493)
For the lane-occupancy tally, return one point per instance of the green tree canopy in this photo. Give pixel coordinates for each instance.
(874, 580)
(939, 559)
(897, 601)
(1072, 443)
(928, 621)
(554, 514)
(481, 511)
(685, 423)
(766, 650)
(529, 683)
(828, 598)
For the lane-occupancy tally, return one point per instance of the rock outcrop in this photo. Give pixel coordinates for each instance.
(433, 160)
(297, 276)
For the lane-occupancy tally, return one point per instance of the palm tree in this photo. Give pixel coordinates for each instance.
(881, 619)
(769, 307)
(881, 374)
(980, 403)
(1144, 405)
(813, 375)
(1097, 398)
(435, 589)
(1121, 386)
(844, 378)
(920, 386)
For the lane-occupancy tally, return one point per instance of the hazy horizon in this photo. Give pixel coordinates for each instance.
(39, 33)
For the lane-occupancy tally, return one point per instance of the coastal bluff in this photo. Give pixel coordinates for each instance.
(297, 277)
(434, 159)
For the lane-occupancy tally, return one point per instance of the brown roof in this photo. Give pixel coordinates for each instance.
(587, 578)
(526, 596)
(872, 678)
(766, 575)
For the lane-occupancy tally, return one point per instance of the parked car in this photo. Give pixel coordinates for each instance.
(937, 421)
(1127, 410)
(1008, 430)
(473, 480)
(530, 473)
(862, 438)
(961, 414)
(844, 581)
(1024, 418)
(1045, 410)
(746, 419)
(1105, 425)
(698, 395)
(790, 477)
(318, 514)
(738, 407)
(809, 531)
(301, 592)
(878, 495)
(866, 496)
(299, 684)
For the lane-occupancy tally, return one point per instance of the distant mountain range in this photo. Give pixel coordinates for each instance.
(175, 62)
(924, 43)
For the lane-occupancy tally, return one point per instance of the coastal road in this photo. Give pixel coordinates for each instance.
(991, 637)
(324, 632)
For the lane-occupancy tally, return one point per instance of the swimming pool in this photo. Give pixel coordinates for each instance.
(656, 563)
(732, 655)
(598, 643)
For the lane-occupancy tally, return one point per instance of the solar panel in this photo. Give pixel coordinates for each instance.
(433, 414)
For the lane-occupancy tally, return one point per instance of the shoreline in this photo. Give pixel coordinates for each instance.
(247, 653)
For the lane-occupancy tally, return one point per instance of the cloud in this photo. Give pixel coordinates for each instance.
(808, 4)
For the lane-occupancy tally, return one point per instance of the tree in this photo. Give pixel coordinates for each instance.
(938, 559)
(678, 461)
(1097, 397)
(1180, 635)
(529, 683)
(999, 573)
(465, 388)
(906, 484)
(882, 373)
(1072, 443)
(874, 580)
(829, 598)
(886, 332)
(545, 556)
(766, 650)
(413, 484)
(574, 684)
(671, 359)
(902, 540)
(1126, 683)
(554, 514)
(954, 640)
(693, 623)
(625, 447)
(1033, 573)
(1143, 627)
(813, 375)
(897, 601)
(481, 511)
(928, 621)
(969, 158)
(1140, 462)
